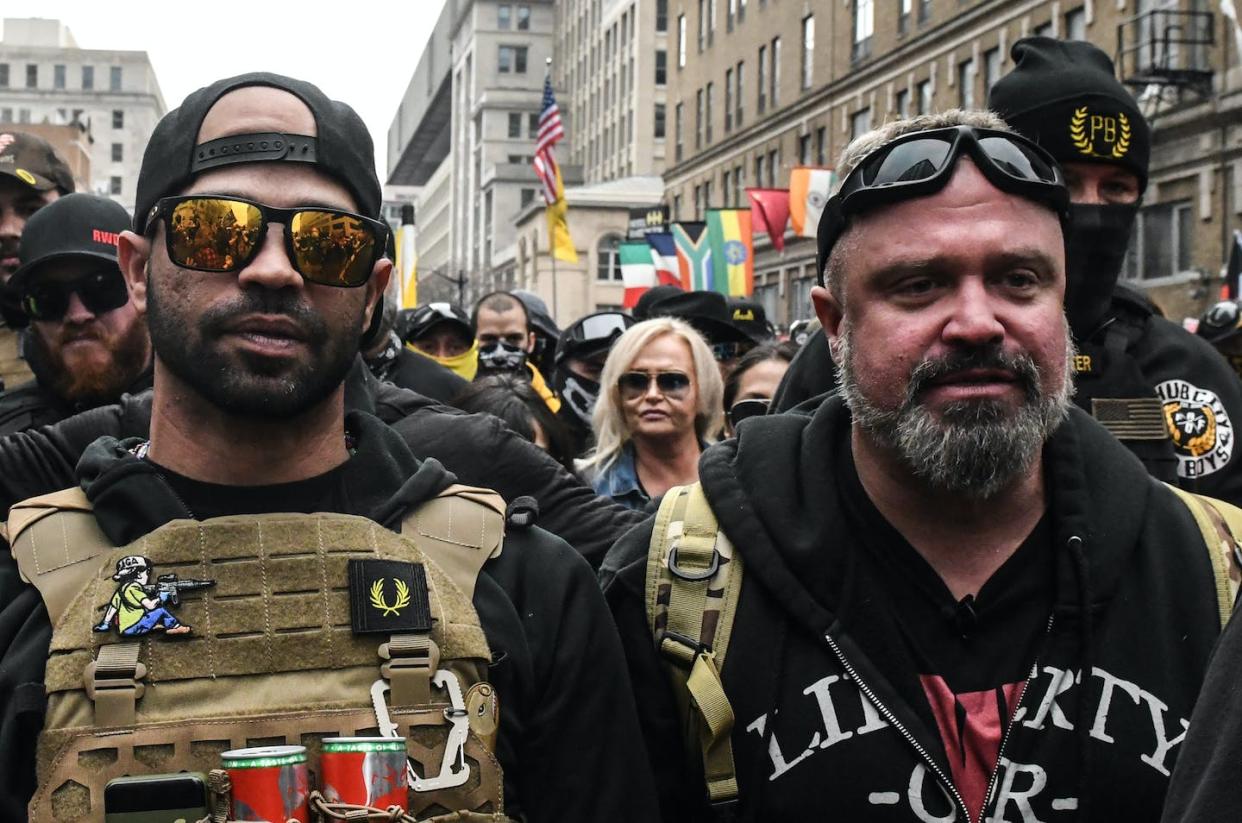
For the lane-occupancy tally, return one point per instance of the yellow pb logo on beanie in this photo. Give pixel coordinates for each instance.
(1112, 133)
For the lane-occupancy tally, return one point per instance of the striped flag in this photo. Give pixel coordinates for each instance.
(637, 269)
(664, 254)
(551, 130)
(769, 213)
(809, 189)
(733, 251)
(694, 255)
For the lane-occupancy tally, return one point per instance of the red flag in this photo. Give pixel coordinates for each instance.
(769, 211)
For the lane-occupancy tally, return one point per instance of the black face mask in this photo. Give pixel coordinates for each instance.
(500, 357)
(1095, 248)
(580, 394)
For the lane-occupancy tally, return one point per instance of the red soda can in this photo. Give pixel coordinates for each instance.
(270, 783)
(365, 771)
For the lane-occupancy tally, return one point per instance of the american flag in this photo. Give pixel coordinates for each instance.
(550, 131)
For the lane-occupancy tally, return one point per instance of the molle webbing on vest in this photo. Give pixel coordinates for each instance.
(694, 580)
(1220, 524)
(272, 657)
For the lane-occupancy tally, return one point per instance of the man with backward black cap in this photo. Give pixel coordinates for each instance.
(1171, 398)
(258, 256)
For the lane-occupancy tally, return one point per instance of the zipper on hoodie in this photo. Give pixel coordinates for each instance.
(892, 720)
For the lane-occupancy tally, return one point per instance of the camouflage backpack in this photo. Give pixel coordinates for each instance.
(694, 584)
(274, 643)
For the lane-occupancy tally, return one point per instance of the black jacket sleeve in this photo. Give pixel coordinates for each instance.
(25, 633)
(678, 773)
(580, 754)
(482, 451)
(811, 374)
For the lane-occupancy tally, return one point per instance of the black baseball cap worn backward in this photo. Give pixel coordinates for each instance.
(341, 147)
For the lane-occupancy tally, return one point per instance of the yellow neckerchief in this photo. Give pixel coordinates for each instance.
(465, 365)
(541, 386)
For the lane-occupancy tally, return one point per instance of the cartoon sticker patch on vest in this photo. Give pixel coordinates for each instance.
(1199, 427)
(139, 607)
(1100, 135)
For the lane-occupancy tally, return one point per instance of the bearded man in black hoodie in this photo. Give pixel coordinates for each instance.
(961, 599)
(258, 256)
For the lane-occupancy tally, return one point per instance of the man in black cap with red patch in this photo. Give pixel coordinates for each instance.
(87, 344)
(1163, 392)
(31, 177)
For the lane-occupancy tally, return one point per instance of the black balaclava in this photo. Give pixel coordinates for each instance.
(1064, 96)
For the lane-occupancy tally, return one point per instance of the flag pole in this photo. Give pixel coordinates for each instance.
(547, 75)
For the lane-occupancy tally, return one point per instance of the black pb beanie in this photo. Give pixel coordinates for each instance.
(1065, 97)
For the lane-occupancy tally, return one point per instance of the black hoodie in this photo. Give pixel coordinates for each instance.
(817, 673)
(569, 734)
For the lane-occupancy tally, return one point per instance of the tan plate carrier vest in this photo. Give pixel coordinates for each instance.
(272, 659)
(694, 583)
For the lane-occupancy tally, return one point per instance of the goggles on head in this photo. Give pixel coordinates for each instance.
(213, 233)
(601, 326)
(100, 291)
(922, 163)
(1220, 320)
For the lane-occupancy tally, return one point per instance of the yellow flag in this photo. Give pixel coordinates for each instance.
(407, 266)
(558, 227)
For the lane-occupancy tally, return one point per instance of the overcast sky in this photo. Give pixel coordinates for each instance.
(362, 52)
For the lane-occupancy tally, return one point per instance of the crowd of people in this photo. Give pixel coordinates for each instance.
(965, 548)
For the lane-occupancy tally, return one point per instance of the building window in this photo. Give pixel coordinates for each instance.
(726, 187)
(904, 7)
(528, 196)
(966, 84)
(759, 171)
(677, 132)
(1043, 30)
(6, 115)
(504, 16)
(114, 78)
(532, 125)
(702, 24)
(1076, 24)
(88, 78)
(1162, 241)
(707, 195)
(860, 123)
(730, 14)
(775, 74)
(711, 21)
(901, 104)
(114, 185)
(763, 74)
(23, 115)
(681, 41)
(774, 166)
(741, 86)
(607, 262)
(991, 68)
(741, 10)
(821, 146)
(523, 18)
(924, 11)
(707, 111)
(676, 210)
(58, 76)
(804, 150)
(512, 60)
(698, 119)
(808, 50)
(661, 67)
(728, 101)
(118, 118)
(515, 124)
(661, 15)
(864, 27)
(659, 121)
(4, 75)
(118, 152)
(32, 75)
(925, 96)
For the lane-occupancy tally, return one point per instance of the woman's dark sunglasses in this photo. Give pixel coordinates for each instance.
(634, 384)
(743, 409)
(223, 234)
(922, 163)
(100, 291)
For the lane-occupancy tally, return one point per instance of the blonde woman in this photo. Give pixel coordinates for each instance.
(659, 405)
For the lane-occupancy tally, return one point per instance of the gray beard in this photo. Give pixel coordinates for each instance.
(976, 448)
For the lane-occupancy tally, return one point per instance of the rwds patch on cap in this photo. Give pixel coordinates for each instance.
(1199, 427)
(388, 596)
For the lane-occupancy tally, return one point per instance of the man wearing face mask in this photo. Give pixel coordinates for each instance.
(506, 341)
(1163, 392)
(577, 364)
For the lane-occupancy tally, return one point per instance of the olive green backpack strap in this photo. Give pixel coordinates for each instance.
(459, 530)
(53, 553)
(694, 582)
(1220, 524)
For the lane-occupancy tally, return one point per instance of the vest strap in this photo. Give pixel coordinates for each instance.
(113, 682)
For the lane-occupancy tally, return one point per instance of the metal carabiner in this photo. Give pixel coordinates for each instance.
(454, 771)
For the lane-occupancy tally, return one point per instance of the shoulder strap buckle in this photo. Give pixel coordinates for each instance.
(112, 681)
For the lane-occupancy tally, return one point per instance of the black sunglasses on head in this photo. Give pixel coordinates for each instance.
(216, 233)
(100, 291)
(922, 163)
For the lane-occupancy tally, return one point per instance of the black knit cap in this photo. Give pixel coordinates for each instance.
(1065, 96)
(341, 147)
